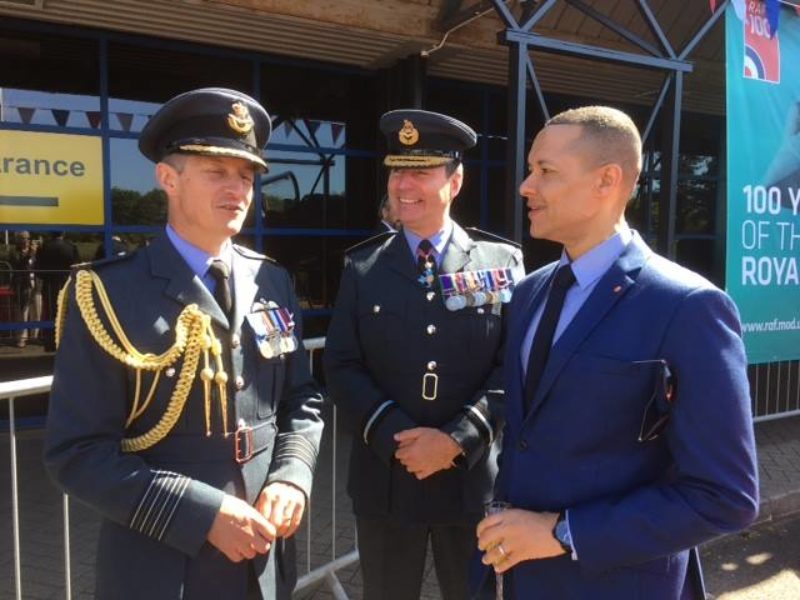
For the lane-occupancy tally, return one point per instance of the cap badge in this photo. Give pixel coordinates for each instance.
(239, 119)
(408, 135)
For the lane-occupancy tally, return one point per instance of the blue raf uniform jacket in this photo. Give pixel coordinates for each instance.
(635, 508)
(390, 343)
(159, 504)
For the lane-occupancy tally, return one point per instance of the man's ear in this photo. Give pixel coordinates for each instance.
(166, 176)
(610, 178)
(456, 181)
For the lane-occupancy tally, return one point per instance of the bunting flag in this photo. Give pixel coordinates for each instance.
(313, 126)
(94, 117)
(125, 120)
(288, 127)
(61, 116)
(25, 114)
(336, 131)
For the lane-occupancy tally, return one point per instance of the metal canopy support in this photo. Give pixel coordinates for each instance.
(615, 27)
(515, 152)
(520, 39)
(670, 162)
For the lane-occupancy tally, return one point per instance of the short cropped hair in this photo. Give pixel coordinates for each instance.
(451, 167)
(611, 135)
(175, 160)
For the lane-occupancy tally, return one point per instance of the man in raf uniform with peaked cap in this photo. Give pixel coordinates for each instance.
(413, 359)
(182, 409)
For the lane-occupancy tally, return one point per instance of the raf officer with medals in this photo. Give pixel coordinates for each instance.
(182, 408)
(413, 359)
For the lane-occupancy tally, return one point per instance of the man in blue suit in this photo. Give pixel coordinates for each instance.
(628, 437)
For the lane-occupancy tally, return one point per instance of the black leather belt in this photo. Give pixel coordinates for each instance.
(243, 444)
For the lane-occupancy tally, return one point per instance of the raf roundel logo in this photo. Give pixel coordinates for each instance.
(239, 119)
(408, 135)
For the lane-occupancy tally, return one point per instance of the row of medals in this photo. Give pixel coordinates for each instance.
(476, 288)
(278, 323)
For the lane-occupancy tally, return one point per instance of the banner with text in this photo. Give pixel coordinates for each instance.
(763, 242)
(50, 178)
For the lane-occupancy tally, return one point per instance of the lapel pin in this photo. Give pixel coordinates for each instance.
(617, 289)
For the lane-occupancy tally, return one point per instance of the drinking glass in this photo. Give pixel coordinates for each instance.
(492, 508)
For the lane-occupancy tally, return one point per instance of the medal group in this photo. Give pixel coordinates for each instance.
(477, 288)
(274, 329)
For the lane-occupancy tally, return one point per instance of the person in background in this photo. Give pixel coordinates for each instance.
(22, 261)
(52, 267)
(387, 216)
(118, 248)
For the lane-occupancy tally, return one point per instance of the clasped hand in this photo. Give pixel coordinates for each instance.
(241, 531)
(424, 451)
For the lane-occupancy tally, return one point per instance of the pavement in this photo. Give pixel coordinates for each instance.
(331, 533)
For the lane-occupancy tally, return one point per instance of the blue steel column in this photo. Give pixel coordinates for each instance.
(515, 148)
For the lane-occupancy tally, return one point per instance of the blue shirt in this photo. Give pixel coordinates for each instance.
(199, 260)
(439, 242)
(588, 270)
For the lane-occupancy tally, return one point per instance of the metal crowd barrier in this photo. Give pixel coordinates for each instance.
(326, 573)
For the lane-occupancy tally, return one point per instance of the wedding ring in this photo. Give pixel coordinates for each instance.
(500, 550)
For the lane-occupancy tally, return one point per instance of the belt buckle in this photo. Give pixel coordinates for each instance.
(430, 380)
(246, 440)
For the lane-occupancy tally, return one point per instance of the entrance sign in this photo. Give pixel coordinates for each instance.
(50, 178)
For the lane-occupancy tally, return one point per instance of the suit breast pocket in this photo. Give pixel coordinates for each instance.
(615, 391)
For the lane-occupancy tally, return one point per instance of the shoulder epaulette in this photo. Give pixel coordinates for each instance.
(492, 237)
(102, 262)
(252, 254)
(381, 237)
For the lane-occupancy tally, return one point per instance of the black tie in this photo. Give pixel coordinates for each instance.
(222, 290)
(543, 340)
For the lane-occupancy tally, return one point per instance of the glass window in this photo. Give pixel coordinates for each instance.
(156, 74)
(466, 208)
(34, 265)
(319, 190)
(315, 263)
(335, 96)
(49, 80)
(698, 255)
(136, 199)
(497, 202)
(696, 206)
(463, 102)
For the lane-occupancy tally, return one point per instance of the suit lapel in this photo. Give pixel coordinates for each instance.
(399, 258)
(244, 288)
(613, 285)
(182, 284)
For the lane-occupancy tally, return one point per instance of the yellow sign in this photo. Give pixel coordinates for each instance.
(50, 178)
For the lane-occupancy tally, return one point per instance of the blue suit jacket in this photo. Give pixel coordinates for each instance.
(635, 508)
